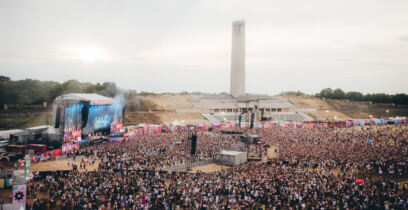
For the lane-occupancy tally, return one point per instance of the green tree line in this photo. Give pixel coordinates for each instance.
(399, 98)
(31, 91)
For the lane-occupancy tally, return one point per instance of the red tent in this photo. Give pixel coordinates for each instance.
(16, 148)
(38, 148)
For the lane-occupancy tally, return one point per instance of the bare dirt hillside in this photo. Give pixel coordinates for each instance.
(367, 109)
(186, 117)
(170, 102)
(156, 109)
(134, 118)
(165, 108)
(323, 110)
(344, 109)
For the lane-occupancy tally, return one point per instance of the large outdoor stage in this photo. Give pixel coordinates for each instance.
(81, 116)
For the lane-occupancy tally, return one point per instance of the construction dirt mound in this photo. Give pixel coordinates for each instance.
(366, 109)
(170, 102)
(164, 108)
(345, 109)
(319, 109)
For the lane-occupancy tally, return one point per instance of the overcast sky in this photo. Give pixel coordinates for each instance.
(185, 45)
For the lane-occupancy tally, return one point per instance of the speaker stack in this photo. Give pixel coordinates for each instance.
(193, 144)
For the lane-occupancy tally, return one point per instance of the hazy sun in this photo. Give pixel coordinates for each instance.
(89, 54)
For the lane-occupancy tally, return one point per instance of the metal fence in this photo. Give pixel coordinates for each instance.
(4, 174)
(191, 165)
(12, 206)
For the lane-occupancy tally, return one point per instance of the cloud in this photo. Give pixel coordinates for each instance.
(186, 45)
(404, 38)
(373, 48)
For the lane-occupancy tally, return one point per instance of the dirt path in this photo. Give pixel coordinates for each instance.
(323, 110)
(272, 152)
(62, 165)
(49, 166)
(207, 168)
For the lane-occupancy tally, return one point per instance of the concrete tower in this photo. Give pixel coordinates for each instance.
(237, 87)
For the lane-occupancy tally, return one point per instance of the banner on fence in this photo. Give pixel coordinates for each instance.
(19, 193)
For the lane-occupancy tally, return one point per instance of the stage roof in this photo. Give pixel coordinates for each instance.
(95, 99)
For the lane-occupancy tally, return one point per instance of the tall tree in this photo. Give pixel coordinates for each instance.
(326, 93)
(339, 94)
(355, 96)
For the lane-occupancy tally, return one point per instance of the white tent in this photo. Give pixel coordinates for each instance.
(231, 157)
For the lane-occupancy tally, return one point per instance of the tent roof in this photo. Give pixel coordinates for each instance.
(92, 97)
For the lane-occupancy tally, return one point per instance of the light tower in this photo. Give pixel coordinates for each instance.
(237, 86)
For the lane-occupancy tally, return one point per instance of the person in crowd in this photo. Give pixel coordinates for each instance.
(317, 168)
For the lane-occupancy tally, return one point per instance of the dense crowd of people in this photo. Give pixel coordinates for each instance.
(131, 175)
(379, 149)
(160, 151)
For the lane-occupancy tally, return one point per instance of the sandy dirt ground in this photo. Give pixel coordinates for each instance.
(62, 165)
(5, 195)
(170, 101)
(272, 152)
(49, 166)
(187, 117)
(315, 103)
(208, 168)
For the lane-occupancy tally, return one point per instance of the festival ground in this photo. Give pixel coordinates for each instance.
(63, 165)
(51, 166)
(66, 164)
(271, 152)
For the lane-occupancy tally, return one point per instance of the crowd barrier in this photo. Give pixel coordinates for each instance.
(191, 165)
(6, 173)
(151, 128)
